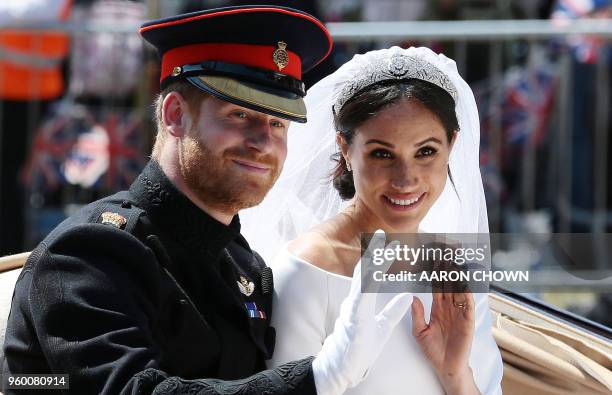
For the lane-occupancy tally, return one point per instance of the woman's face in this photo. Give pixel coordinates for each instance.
(399, 159)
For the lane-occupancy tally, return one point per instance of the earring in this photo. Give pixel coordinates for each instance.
(348, 166)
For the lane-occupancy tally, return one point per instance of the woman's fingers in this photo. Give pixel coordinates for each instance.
(376, 247)
(471, 304)
(437, 287)
(418, 317)
(393, 312)
(459, 300)
(464, 302)
(438, 297)
(363, 287)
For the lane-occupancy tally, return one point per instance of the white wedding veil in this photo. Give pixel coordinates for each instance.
(304, 196)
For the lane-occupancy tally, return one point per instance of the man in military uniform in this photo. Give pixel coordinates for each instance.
(154, 290)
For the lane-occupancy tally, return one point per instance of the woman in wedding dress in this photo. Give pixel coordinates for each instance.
(403, 128)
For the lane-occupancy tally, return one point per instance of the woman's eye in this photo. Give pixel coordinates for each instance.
(426, 151)
(381, 154)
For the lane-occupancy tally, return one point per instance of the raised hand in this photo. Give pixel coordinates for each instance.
(447, 338)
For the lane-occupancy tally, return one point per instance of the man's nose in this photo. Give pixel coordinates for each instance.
(404, 175)
(259, 136)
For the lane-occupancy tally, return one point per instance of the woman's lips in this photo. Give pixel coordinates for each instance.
(403, 202)
(252, 166)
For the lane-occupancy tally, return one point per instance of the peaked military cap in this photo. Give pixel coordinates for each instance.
(253, 56)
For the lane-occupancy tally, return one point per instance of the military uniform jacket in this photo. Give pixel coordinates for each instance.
(142, 292)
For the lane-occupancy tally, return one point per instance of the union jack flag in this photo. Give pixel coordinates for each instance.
(125, 149)
(63, 145)
(51, 145)
(586, 49)
(521, 107)
(526, 98)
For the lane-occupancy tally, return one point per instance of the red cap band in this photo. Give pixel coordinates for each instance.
(249, 55)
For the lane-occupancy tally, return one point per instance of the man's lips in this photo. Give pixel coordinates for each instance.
(252, 166)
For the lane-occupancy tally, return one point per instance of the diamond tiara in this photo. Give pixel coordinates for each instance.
(397, 67)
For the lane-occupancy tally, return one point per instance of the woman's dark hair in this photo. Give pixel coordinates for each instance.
(371, 100)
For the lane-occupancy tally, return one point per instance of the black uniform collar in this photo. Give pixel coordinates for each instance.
(177, 216)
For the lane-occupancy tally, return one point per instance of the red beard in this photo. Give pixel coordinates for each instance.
(218, 182)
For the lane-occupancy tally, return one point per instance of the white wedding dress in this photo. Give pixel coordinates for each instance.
(306, 303)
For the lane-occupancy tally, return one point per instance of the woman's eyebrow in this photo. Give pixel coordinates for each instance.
(375, 141)
(435, 140)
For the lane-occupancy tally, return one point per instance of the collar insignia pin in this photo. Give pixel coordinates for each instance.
(114, 219)
(280, 55)
(245, 286)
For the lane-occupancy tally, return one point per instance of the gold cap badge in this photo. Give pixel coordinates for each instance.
(280, 55)
(110, 218)
(176, 71)
(246, 287)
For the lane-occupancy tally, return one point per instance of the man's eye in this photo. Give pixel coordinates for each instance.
(381, 154)
(426, 151)
(240, 114)
(277, 124)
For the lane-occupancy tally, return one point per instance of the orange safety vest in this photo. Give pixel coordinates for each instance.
(30, 61)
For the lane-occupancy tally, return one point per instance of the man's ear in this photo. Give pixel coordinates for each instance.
(175, 114)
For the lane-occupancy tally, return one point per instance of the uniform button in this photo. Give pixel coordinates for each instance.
(183, 302)
(126, 204)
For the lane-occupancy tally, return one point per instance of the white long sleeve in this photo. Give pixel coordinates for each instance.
(299, 314)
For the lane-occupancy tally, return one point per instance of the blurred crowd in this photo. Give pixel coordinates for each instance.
(76, 124)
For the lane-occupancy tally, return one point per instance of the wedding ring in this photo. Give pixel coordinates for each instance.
(461, 305)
